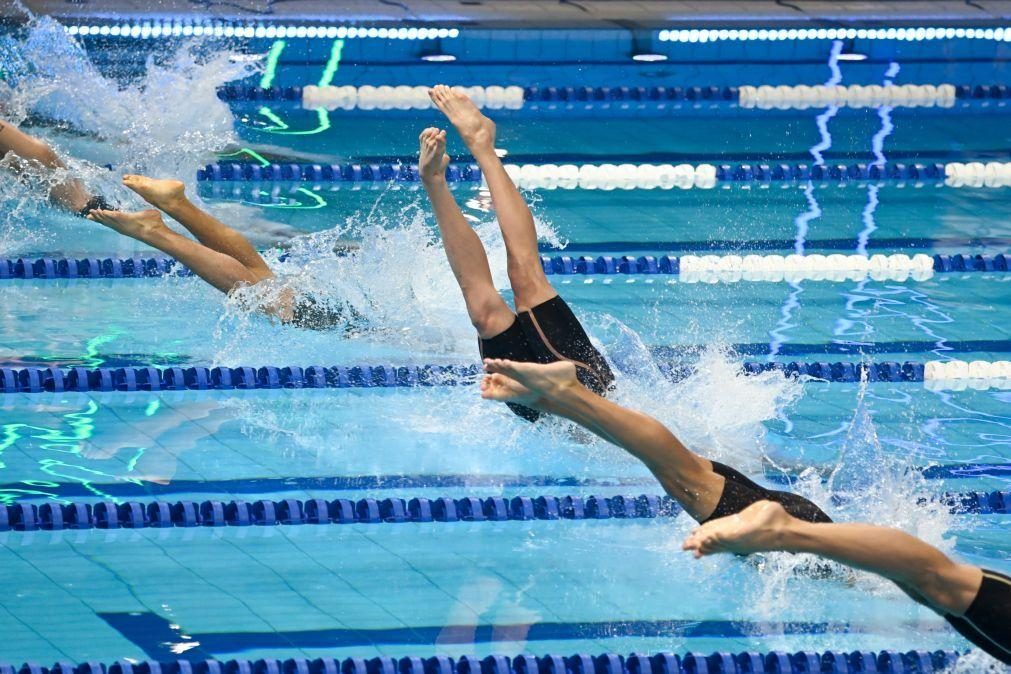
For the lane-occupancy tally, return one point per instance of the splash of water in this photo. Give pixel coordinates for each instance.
(106, 122)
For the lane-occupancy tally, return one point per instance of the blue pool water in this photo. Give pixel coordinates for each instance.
(880, 451)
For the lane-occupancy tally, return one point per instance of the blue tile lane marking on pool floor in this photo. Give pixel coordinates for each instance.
(369, 483)
(155, 635)
(813, 245)
(672, 352)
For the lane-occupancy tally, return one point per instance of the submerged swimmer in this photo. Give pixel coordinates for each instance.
(221, 256)
(741, 517)
(543, 328)
(975, 601)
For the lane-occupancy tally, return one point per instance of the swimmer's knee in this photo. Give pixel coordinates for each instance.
(490, 317)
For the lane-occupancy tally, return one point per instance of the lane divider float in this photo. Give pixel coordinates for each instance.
(415, 97)
(689, 268)
(220, 378)
(776, 662)
(211, 513)
(627, 176)
(54, 516)
(802, 96)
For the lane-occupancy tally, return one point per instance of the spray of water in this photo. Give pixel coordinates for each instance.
(165, 122)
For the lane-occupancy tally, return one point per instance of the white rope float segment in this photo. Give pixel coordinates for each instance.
(803, 96)
(403, 97)
(777, 268)
(612, 176)
(958, 375)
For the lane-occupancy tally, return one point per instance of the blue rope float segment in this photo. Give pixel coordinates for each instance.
(602, 95)
(559, 265)
(239, 513)
(164, 514)
(201, 378)
(776, 662)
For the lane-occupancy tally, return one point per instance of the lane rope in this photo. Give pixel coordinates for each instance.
(826, 662)
(415, 97)
(627, 176)
(691, 268)
(978, 374)
(239, 513)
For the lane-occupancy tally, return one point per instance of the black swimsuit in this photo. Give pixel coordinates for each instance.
(987, 622)
(739, 492)
(548, 333)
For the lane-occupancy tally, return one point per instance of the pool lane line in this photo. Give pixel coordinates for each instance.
(494, 97)
(977, 374)
(627, 176)
(23, 516)
(726, 268)
(156, 637)
(370, 483)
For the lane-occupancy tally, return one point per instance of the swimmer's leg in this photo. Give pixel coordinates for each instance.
(946, 586)
(526, 275)
(170, 197)
(684, 475)
(222, 271)
(70, 193)
(490, 315)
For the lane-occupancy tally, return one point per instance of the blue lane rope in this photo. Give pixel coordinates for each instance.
(558, 265)
(776, 662)
(202, 378)
(238, 513)
(752, 173)
(164, 514)
(601, 95)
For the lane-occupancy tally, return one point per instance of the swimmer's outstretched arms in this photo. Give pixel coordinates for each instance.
(975, 601)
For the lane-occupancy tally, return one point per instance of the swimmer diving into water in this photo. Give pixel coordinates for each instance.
(221, 256)
(975, 601)
(543, 328)
(740, 516)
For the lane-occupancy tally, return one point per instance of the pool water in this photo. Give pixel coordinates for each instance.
(880, 451)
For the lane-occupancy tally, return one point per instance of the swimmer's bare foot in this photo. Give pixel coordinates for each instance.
(757, 528)
(432, 158)
(477, 131)
(140, 225)
(163, 194)
(532, 384)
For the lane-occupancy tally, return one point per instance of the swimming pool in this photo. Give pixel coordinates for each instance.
(404, 577)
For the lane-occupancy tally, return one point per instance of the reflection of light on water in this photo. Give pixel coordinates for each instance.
(779, 333)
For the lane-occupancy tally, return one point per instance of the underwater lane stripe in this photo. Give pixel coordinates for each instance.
(672, 352)
(744, 247)
(213, 513)
(562, 265)
(369, 483)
